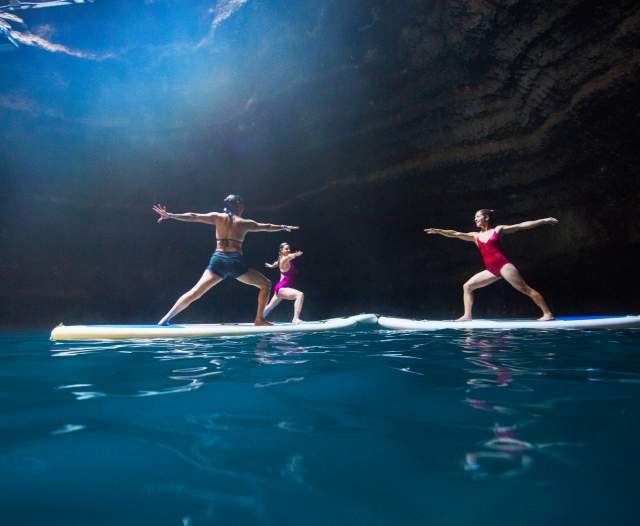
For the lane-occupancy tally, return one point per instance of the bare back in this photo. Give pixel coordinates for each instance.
(285, 264)
(230, 232)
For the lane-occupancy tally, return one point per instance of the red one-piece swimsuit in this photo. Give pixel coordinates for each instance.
(493, 258)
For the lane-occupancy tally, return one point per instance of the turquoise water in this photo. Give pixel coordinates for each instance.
(369, 427)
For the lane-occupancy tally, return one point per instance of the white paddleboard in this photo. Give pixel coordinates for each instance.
(126, 332)
(573, 322)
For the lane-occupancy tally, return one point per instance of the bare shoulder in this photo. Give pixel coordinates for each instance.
(245, 223)
(509, 229)
(213, 217)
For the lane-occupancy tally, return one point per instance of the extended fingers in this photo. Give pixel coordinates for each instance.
(161, 211)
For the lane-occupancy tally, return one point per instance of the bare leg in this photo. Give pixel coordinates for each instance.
(273, 303)
(297, 297)
(255, 278)
(206, 281)
(512, 276)
(477, 281)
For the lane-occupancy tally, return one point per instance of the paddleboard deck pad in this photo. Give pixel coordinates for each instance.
(131, 332)
(572, 322)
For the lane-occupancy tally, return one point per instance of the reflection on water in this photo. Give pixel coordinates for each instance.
(343, 427)
(498, 361)
(210, 441)
(504, 454)
(223, 356)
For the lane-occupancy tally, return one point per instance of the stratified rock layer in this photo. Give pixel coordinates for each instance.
(525, 107)
(416, 114)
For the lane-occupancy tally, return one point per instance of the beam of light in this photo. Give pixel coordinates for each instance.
(29, 39)
(223, 10)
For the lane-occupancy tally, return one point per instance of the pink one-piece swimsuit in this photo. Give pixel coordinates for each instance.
(287, 278)
(493, 258)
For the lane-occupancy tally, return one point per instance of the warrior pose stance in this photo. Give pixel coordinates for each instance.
(497, 266)
(227, 261)
(283, 289)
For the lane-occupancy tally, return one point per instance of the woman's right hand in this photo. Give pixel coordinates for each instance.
(432, 230)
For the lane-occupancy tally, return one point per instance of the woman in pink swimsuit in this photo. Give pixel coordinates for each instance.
(497, 266)
(284, 288)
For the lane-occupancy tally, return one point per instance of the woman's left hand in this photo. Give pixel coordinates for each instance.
(161, 210)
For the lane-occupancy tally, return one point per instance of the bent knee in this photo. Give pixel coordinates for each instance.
(525, 289)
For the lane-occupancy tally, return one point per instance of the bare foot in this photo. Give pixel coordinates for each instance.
(163, 322)
(464, 318)
(547, 317)
(262, 321)
(296, 320)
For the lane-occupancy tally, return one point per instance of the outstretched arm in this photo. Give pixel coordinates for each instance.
(253, 226)
(272, 265)
(291, 256)
(161, 210)
(510, 229)
(464, 236)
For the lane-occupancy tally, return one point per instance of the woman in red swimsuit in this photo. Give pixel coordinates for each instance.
(497, 266)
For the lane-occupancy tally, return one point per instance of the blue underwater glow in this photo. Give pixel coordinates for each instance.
(372, 427)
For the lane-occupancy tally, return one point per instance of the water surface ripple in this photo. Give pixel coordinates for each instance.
(365, 427)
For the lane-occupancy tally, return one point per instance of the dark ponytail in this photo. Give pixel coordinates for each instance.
(232, 205)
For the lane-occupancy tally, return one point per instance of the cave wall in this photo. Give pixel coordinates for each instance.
(436, 109)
